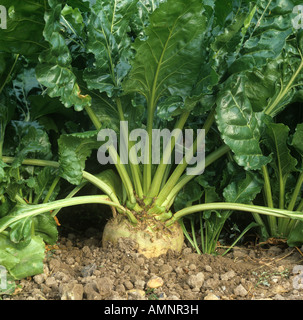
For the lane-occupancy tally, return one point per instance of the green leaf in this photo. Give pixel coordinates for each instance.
(244, 190)
(10, 286)
(44, 105)
(189, 194)
(270, 28)
(240, 126)
(112, 179)
(295, 238)
(276, 141)
(168, 61)
(25, 262)
(109, 43)
(297, 141)
(46, 227)
(25, 24)
(55, 68)
(31, 140)
(41, 183)
(74, 149)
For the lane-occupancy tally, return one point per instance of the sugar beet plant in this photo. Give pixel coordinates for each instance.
(83, 76)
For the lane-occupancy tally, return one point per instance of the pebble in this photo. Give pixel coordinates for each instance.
(240, 291)
(211, 296)
(39, 278)
(86, 251)
(54, 264)
(140, 284)
(128, 285)
(196, 281)
(72, 291)
(155, 282)
(70, 260)
(192, 267)
(91, 293)
(228, 275)
(135, 294)
(208, 268)
(104, 286)
(88, 270)
(51, 282)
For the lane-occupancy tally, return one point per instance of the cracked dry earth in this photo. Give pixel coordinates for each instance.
(78, 268)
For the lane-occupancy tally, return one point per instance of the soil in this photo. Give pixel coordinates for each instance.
(79, 268)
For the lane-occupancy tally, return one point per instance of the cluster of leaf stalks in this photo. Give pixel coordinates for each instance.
(228, 69)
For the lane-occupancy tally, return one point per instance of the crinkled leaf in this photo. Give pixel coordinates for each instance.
(31, 140)
(24, 262)
(74, 149)
(108, 42)
(297, 141)
(169, 60)
(46, 227)
(41, 183)
(240, 126)
(276, 140)
(244, 190)
(140, 20)
(10, 286)
(55, 68)
(25, 24)
(270, 28)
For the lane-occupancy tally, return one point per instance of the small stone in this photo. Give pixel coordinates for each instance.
(39, 278)
(120, 289)
(155, 282)
(166, 269)
(196, 281)
(51, 282)
(128, 285)
(192, 267)
(211, 283)
(72, 291)
(91, 293)
(208, 268)
(140, 284)
(211, 296)
(179, 270)
(104, 286)
(135, 294)
(54, 264)
(88, 270)
(228, 275)
(69, 243)
(240, 291)
(86, 251)
(70, 260)
(279, 289)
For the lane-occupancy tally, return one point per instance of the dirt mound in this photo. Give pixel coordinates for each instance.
(79, 268)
